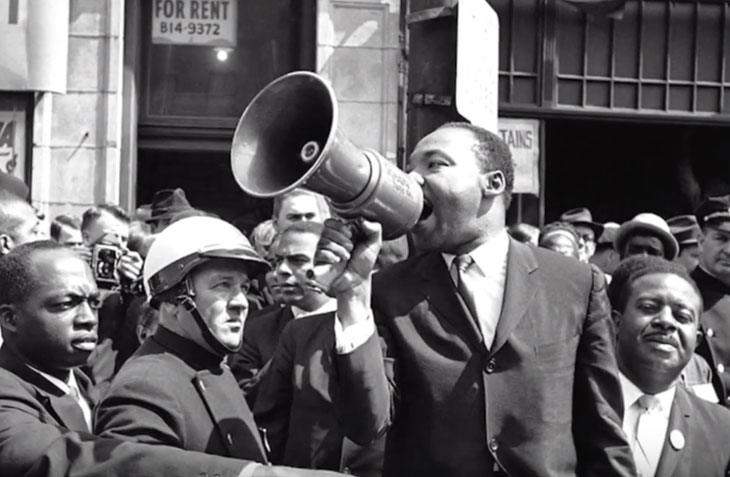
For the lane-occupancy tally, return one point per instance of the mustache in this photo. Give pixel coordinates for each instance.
(662, 337)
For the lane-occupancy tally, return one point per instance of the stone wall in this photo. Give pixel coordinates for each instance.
(76, 137)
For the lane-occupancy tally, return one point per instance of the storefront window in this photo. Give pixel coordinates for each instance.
(206, 60)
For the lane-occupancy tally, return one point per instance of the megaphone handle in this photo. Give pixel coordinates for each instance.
(324, 273)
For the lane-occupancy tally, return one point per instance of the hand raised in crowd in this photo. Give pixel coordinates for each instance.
(346, 255)
(130, 265)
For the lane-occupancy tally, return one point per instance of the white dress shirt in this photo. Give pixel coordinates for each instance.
(488, 276)
(329, 306)
(632, 412)
(491, 260)
(70, 388)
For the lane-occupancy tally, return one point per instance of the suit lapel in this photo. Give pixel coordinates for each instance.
(61, 406)
(519, 289)
(678, 422)
(441, 293)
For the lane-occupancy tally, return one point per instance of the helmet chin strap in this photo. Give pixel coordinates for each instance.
(187, 302)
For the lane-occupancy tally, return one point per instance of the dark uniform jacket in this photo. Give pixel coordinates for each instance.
(174, 392)
(117, 338)
(261, 334)
(545, 400)
(295, 404)
(43, 435)
(696, 442)
(715, 345)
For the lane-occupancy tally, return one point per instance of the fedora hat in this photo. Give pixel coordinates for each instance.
(685, 229)
(582, 216)
(166, 203)
(610, 229)
(648, 223)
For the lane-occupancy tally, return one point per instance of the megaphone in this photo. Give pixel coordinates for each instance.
(288, 137)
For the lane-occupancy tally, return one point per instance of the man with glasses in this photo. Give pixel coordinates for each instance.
(588, 230)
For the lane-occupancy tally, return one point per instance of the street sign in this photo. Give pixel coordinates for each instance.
(195, 22)
(477, 65)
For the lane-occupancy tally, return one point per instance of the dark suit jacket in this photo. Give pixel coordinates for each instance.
(174, 392)
(715, 346)
(295, 404)
(544, 401)
(41, 437)
(704, 427)
(261, 334)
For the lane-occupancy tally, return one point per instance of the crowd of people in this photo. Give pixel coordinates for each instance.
(169, 342)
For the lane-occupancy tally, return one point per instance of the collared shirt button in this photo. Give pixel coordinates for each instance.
(491, 366)
(493, 445)
(720, 368)
(710, 332)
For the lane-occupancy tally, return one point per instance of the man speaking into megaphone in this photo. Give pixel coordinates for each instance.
(499, 356)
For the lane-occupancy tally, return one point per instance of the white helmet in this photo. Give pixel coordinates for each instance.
(189, 242)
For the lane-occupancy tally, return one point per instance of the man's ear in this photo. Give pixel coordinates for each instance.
(700, 337)
(493, 183)
(616, 315)
(8, 318)
(6, 244)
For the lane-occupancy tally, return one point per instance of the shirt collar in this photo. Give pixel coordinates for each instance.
(64, 386)
(493, 251)
(632, 393)
(328, 306)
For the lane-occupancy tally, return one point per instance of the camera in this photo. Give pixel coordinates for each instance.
(104, 263)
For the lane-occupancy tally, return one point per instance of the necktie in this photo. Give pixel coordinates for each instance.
(462, 264)
(650, 432)
(82, 404)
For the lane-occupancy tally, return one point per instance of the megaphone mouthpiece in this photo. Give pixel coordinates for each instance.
(310, 152)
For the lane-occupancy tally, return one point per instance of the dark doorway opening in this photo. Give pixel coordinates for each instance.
(207, 180)
(619, 169)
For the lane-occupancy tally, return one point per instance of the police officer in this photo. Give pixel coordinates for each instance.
(176, 389)
(713, 278)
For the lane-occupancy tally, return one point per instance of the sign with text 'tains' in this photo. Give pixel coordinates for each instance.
(195, 22)
(523, 138)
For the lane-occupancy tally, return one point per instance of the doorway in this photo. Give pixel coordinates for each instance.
(207, 179)
(619, 169)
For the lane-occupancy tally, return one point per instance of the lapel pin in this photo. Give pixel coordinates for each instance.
(676, 438)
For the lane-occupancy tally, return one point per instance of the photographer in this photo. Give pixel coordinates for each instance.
(117, 270)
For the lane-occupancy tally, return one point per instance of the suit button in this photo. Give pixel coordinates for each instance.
(720, 368)
(347, 471)
(493, 445)
(491, 365)
(710, 332)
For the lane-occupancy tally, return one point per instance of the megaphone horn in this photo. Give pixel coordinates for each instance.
(288, 137)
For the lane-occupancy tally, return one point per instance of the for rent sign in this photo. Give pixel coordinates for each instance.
(195, 22)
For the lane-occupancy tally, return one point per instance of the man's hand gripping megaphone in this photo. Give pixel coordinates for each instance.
(346, 256)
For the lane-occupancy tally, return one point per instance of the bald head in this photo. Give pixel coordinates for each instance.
(19, 222)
